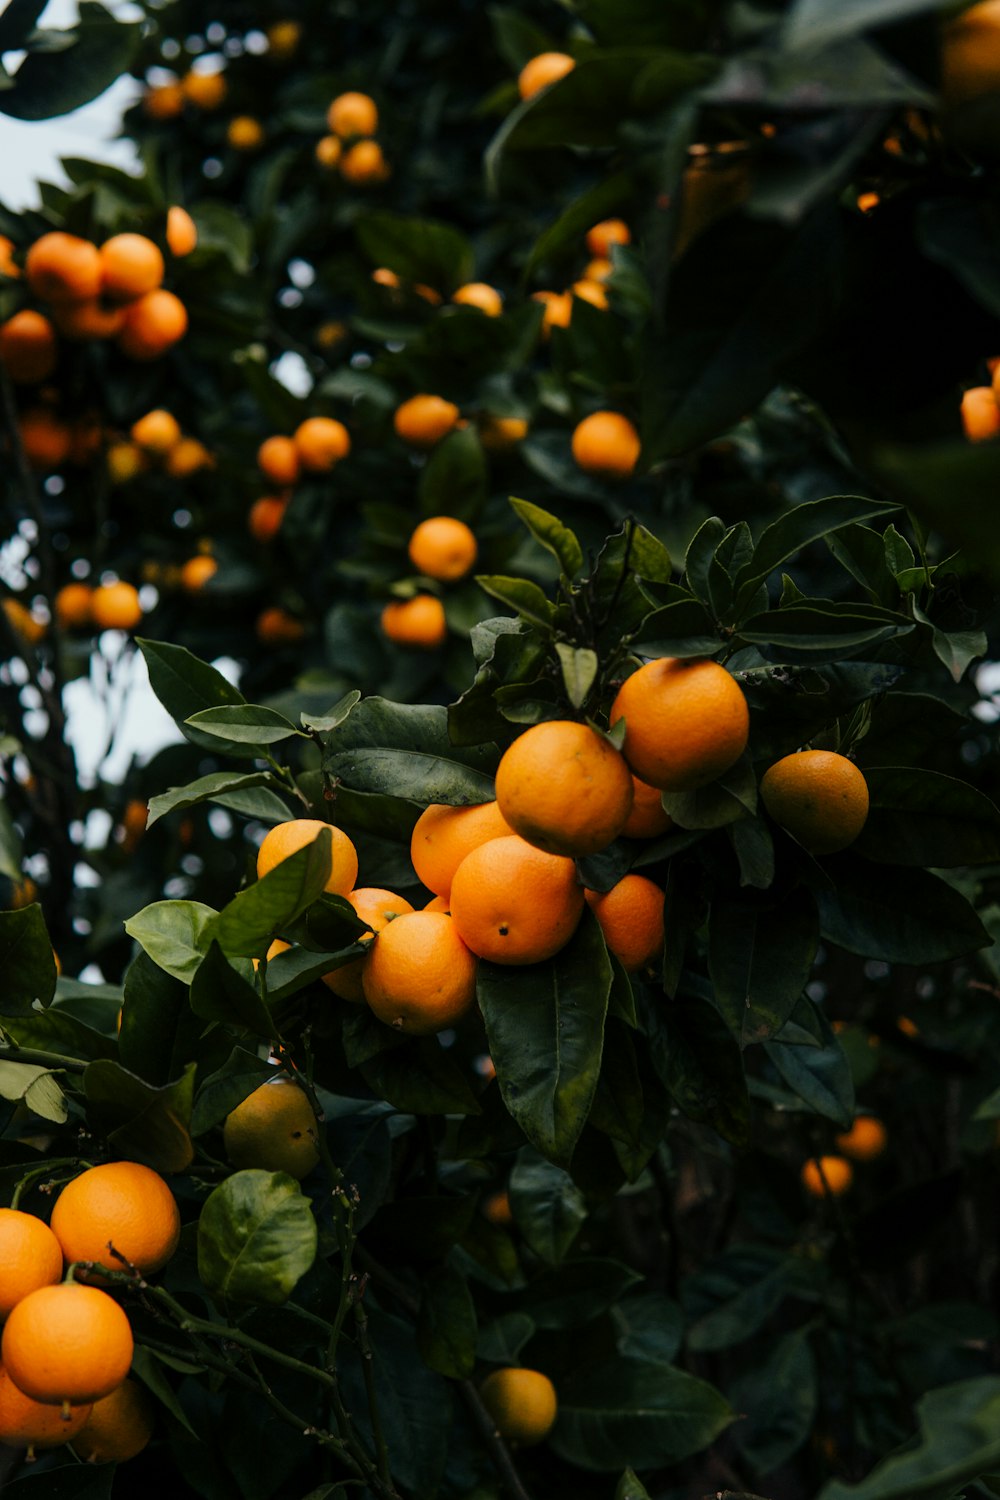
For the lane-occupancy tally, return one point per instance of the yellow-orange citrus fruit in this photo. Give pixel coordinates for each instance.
(72, 605)
(376, 907)
(598, 269)
(134, 819)
(540, 71)
(283, 38)
(382, 276)
(363, 163)
(970, 54)
(865, 1140)
(63, 268)
(419, 976)
(25, 1423)
(631, 918)
(119, 1426)
(278, 460)
(164, 101)
(496, 1208)
(419, 622)
(29, 349)
(115, 606)
(93, 319)
(244, 133)
(125, 461)
(130, 266)
(273, 950)
(522, 1403)
(479, 294)
(197, 571)
(265, 517)
(819, 797)
(437, 903)
(564, 788)
(321, 442)
(606, 443)
(600, 237)
(273, 1130)
(328, 151)
(158, 431)
(153, 324)
(353, 114)
(647, 820)
(287, 838)
(442, 837)
(25, 892)
(980, 414)
(204, 90)
(67, 1343)
(46, 439)
(122, 1214)
(425, 420)
(30, 629)
(8, 265)
(686, 721)
(515, 904)
(443, 547)
(186, 458)
(558, 310)
(500, 434)
(592, 292)
(182, 232)
(276, 627)
(29, 1254)
(827, 1175)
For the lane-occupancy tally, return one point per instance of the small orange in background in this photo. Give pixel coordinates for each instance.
(865, 1140)
(819, 797)
(647, 820)
(501, 434)
(187, 458)
(827, 1175)
(73, 606)
(125, 461)
(278, 460)
(277, 627)
(245, 133)
(686, 722)
(543, 70)
(157, 432)
(265, 517)
(606, 443)
(8, 265)
(273, 950)
(46, 439)
(376, 907)
(30, 1255)
(496, 1208)
(353, 114)
(321, 442)
(419, 622)
(197, 571)
(283, 38)
(631, 918)
(153, 324)
(980, 414)
(598, 269)
(558, 310)
(115, 606)
(444, 548)
(25, 1423)
(522, 1403)
(131, 265)
(515, 904)
(29, 349)
(479, 294)
(564, 788)
(592, 292)
(424, 420)
(119, 1426)
(328, 151)
(163, 101)
(67, 1343)
(182, 232)
(63, 268)
(419, 976)
(122, 1214)
(364, 163)
(204, 90)
(287, 838)
(88, 320)
(601, 237)
(442, 837)
(135, 816)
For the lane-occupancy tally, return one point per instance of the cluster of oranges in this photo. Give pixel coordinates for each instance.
(156, 439)
(317, 445)
(829, 1176)
(981, 408)
(113, 605)
(350, 147)
(203, 89)
(590, 286)
(444, 549)
(67, 1344)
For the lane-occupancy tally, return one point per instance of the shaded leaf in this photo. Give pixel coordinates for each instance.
(256, 1238)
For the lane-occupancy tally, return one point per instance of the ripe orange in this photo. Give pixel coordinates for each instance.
(817, 796)
(72, 606)
(479, 294)
(500, 434)
(283, 38)
(88, 320)
(419, 976)
(153, 324)
(274, 1130)
(353, 114)
(825, 1175)
(115, 606)
(274, 948)
(29, 1254)
(600, 237)
(631, 918)
(980, 414)
(606, 443)
(134, 819)
(8, 265)
(564, 788)
(865, 1140)
(265, 517)
(496, 1209)
(513, 903)
(25, 1423)
(592, 292)
(419, 622)
(46, 439)
(278, 460)
(598, 269)
(245, 133)
(28, 627)
(364, 163)
(196, 572)
(442, 837)
(287, 838)
(29, 349)
(546, 68)
(276, 627)
(970, 54)
(131, 265)
(67, 1343)
(187, 458)
(204, 90)
(438, 903)
(558, 310)
(443, 547)
(119, 1426)
(158, 431)
(686, 721)
(122, 1214)
(164, 101)
(320, 443)
(522, 1403)
(382, 276)
(327, 151)
(425, 420)
(376, 907)
(182, 232)
(647, 820)
(63, 268)
(125, 461)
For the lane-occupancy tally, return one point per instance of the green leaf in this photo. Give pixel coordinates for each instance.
(244, 723)
(11, 845)
(924, 818)
(247, 924)
(420, 1078)
(912, 918)
(36, 1086)
(256, 1238)
(175, 934)
(650, 1327)
(323, 723)
(453, 482)
(545, 1025)
(733, 795)
(576, 1292)
(813, 24)
(548, 1208)
(780, 1399)
(185, 686)
(26, 961)
(754, 848)
(607, 196)
(731, 1297)
(222, 787)
(579, 670)
(950, 486)
(56, 1030)
(446, 1325)
(501, 1342)
(155, 1022)
(630, 1487)
(823, 626)
(696, 1058)
(519, 594)
(421, 250)
(760, 954)
(240, 1075)
(820, 1076)
(18, 21)
(404, 750)
(142, 1123)
(798, 528)
(48, 84)
(551, 534)
(220, 993)
(956, 648)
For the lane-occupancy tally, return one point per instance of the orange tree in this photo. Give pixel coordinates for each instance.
(650, 1159)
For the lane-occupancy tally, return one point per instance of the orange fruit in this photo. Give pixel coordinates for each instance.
(443, 547)
(265, 517)
(122, 1214)
(647, 820)
(283, 38)
(29, 1254)
(276, 627)
(182, 232)
(29, 349)
(558, 310)
(320, 443)
(119, 1426)
(865, 1140)
(601, 237)
(540, 71)
(564, 788)
(287, 838)
(163, 101)
(631, 918)
(419, 976)
(478, 294)
(67, 1343)
(186, 458)
(30, 629)
(437, 903)
(425, 420)
(598, 269)
(8, 265)
(376, 907)
(328, 151)
(274, 1129)
(125, 461)
(46, 439)
(115, 606)
(278, 460)
(88, 320)
(980, 414)
(970, 54)
(72, 606)
(382, 276)
(606, 443)
(827, 1175)
(442, 837)
(25, 1423)
(277, 946)
(64, 268)
(245, 133)
(353, 114)
(500, 434)
(197, 571)
(817, 796)
(686, 721)
(134, 820)
(153, 324)
(592, 292)
(158, 431)
(522, 1403)
(513, 903)
(418, 622)
(364, 163)
(204, 90)
(496, 1209)
(131, 265)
